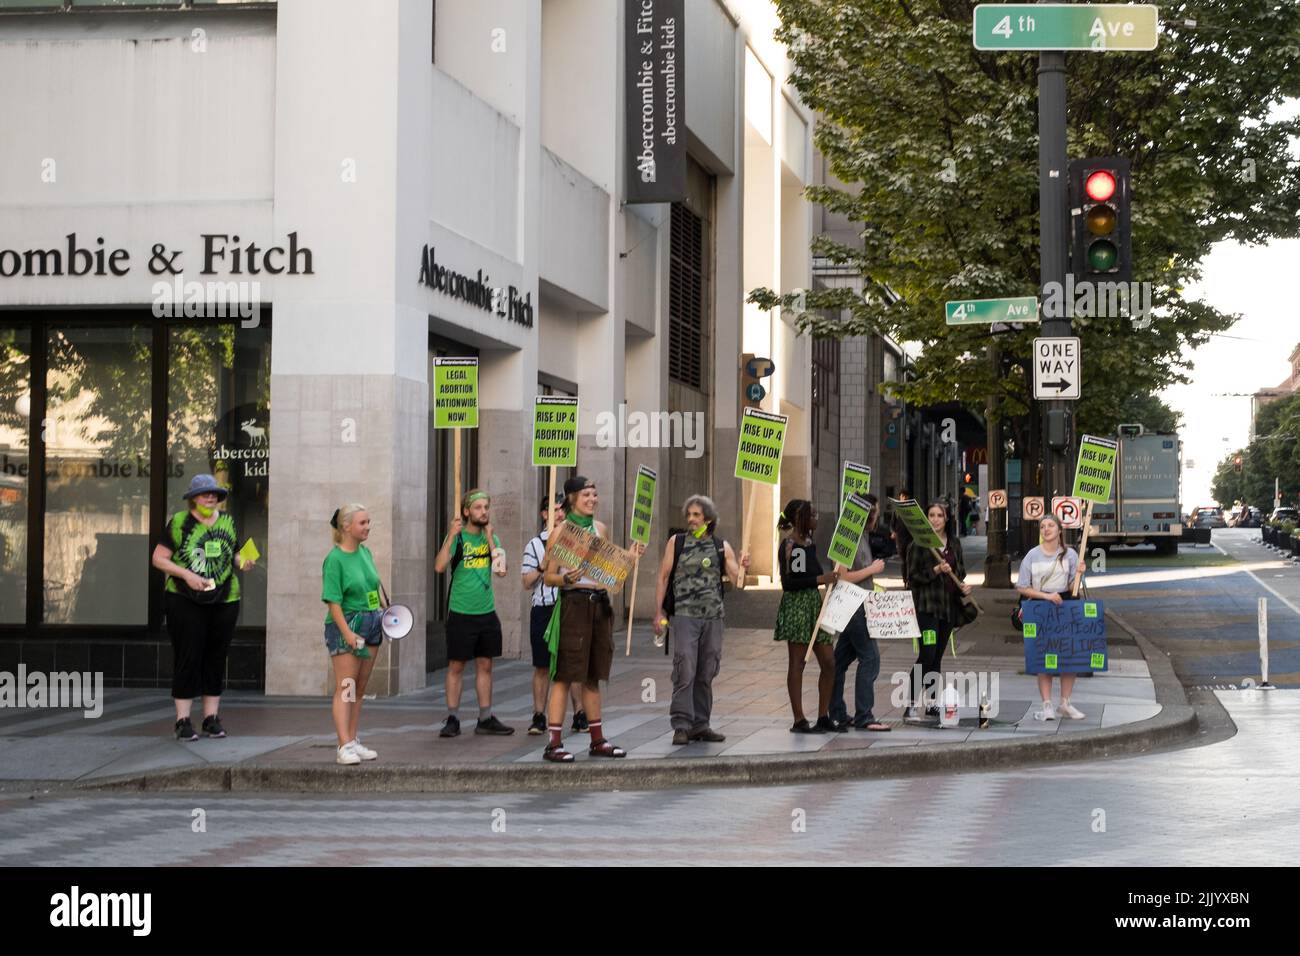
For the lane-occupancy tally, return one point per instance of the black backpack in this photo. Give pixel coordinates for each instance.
(679, 545)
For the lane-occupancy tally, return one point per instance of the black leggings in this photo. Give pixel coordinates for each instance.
(930, 655)
(200, 636)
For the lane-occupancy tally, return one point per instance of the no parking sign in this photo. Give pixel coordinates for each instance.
(1068, 511)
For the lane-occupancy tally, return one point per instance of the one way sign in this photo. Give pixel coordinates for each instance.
(1056, 368)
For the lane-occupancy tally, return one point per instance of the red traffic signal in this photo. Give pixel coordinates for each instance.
(1101, 248)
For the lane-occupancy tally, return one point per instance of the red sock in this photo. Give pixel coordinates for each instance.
(555, 730)
(597, 735)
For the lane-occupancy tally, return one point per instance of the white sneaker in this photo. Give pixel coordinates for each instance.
(1069, 710)
(1046, 712)
(364, 752)
(347, 755)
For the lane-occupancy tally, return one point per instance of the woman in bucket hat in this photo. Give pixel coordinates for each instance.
(198, 553)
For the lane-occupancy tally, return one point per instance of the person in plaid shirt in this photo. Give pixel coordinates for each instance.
(938, 600)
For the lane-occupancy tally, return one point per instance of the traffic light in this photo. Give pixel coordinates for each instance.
(752, 372)
(1236, 464)
(1102, 249)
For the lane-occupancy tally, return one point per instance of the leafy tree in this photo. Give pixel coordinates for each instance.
(935, 145)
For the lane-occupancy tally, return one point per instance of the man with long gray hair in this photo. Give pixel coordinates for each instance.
(692, 573)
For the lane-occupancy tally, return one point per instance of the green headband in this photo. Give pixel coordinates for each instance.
(475, 497)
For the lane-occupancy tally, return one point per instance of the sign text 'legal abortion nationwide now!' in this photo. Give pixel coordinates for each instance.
(455, 393)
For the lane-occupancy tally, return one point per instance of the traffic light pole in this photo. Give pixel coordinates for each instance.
(997, 564)
(1053, 191)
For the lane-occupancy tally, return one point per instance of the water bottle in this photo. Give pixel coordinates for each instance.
(661, 638)
(984, 712)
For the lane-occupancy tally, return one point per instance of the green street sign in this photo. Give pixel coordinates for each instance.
(984, 311)
(1065, 26)
(555, 431)
(455, 393)
(848, 530)
(643, 504)
(1094, 471)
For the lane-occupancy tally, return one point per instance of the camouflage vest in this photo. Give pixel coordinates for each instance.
(696, 583)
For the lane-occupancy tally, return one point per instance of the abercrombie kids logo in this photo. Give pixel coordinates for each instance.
(474, 290)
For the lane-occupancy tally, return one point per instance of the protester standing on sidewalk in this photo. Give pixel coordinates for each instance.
(855, 644)
(801, 575)
(937, 598)
(580, 633)
(474, 554)
(202, 602)
(1045, 575)
(543, 603)
(692, 573)
(353, 624)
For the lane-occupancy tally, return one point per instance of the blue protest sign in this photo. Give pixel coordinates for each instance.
(1069, 639)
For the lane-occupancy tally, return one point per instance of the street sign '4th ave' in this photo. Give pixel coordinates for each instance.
(1065, 26)
(983, 311)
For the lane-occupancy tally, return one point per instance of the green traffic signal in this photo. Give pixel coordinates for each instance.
(1102, 255)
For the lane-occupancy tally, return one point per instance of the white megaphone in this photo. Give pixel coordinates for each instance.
(397, 621)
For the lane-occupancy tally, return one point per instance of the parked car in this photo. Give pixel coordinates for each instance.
(1285, 514)
(1208, 518)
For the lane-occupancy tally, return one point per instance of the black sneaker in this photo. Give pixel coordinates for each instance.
(212, 727)
(801, 726)
(538, 726)
(580, 721)
(450, 727)
(185, 730)
(493, 726)
(825, 725)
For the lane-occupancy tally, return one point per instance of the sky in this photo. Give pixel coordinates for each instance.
(1258, 282)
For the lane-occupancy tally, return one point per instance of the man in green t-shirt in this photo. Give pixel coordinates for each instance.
(473, 630)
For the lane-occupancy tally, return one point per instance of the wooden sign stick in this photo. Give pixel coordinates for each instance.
(817, 625)
(455, 467)
(747, 527)
(1083, 549)
(965, 598)
(631, 603)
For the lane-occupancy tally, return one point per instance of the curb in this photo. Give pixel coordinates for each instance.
(1176, 723)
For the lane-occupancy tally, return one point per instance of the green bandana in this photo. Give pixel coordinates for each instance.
(476, 496)
(582, 521)
(701, 531)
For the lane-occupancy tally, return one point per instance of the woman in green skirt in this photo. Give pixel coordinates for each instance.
(801, 576)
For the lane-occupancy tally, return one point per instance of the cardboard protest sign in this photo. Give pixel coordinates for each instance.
(1095, 469)
(855, 479)
(555, 431)
(762, 440)
(598, 558)
(844, 601)
(917, 524)
(891, 615)
(643, 504)
(455, 393)
(1069, 639)
(848, 530)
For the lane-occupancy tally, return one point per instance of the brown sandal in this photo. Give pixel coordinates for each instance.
(557, 754)
(606, 749)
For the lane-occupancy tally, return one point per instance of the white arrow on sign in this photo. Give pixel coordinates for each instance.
(1056, 368)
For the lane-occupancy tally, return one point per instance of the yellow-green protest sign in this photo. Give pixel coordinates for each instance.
(555, 431)
(916, 523)
(1096, 469)
(762, 440)
(848, 530)
(854, 480)
(643, 504)
(455, 393)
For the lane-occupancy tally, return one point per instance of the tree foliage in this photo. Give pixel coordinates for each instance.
(1273, 454)
(934, 146)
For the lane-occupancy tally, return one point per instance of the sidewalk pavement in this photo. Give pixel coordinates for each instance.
(281, 743)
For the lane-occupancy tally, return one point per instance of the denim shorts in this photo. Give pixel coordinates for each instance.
(367, 624)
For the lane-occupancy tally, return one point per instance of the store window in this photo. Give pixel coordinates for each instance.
(97, 428)
(129, 411)
(15, 418)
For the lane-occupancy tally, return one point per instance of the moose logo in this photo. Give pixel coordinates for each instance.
(256, 433)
